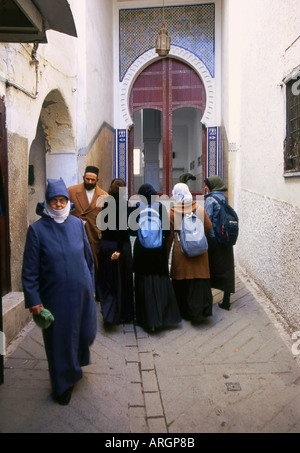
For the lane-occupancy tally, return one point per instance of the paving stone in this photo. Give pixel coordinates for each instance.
(137, 417)
(153, 404)
(131, 354)
(135, 395)
(233, 373)
(132, 371)
(147, 362)
(149, 381)
(157, 425)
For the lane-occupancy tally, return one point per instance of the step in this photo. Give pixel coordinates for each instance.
(15, 316)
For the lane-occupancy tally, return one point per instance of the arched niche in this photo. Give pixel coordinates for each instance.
(52, 152)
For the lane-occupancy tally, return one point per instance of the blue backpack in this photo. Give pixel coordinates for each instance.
(192, 239)
(227, 228)
(150, 229)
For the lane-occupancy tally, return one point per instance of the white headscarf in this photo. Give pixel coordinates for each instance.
(58, 215)
(181, 193)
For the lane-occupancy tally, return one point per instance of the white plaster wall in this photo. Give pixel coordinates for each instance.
(57, 70)
(99, 69)
(231, 88)
(95, 68)
(80, 68)
(269, 250)
(77, 68)
(261, 47)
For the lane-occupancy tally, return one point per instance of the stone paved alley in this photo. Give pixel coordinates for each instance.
(234, 373)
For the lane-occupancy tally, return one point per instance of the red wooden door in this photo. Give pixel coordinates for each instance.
(166, 85)
(4, 237)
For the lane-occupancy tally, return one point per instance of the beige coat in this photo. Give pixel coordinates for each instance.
(183, 267)
(88, 212)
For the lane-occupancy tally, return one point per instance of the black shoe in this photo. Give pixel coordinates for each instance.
(224, 306)
(65, 397)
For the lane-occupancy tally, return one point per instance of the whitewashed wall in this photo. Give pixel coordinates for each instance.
(261, 46)
(75, 78)
(57, 70)
(99, 69)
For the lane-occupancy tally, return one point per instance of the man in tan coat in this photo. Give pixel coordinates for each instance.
(85, 196)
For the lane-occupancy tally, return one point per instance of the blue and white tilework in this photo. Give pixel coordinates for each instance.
(191, 27)
(122, 153)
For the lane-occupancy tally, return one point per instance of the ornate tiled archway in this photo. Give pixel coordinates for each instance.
(209, 118)
(195, 41)
(187, 57)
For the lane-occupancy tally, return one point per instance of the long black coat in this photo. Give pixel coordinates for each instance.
(115, 278)
(152, 261)
(221, 259)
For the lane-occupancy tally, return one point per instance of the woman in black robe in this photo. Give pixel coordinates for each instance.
(155, 301)
(115, 286)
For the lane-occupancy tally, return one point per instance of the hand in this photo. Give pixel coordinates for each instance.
(36, 310)
(115, 256)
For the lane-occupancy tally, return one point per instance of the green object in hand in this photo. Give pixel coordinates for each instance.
(45, 319)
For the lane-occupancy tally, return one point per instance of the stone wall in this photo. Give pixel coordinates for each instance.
(18, 179)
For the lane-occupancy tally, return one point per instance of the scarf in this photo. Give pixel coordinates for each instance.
(181, 193)
(215, 183)
(58, 215)
(148, 191)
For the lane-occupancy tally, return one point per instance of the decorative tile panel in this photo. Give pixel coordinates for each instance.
(221, 161)
(190, 27)
(122, 153)
(212, 151)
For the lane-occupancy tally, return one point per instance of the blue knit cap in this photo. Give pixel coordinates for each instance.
(56, 188)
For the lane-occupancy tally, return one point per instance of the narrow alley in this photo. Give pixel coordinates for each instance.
(235, 373)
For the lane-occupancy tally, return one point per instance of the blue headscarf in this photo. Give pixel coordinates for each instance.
(56, 188)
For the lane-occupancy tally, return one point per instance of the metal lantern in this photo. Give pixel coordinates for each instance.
(163, 42)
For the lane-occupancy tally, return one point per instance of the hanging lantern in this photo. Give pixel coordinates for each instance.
(163, 42)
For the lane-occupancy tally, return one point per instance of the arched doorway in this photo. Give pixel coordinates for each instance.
(167, 102)
(52, 153)
(36, 173)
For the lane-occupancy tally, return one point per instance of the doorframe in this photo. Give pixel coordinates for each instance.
(167, 137)
(4, 168)
(130, 159)
(124, 120)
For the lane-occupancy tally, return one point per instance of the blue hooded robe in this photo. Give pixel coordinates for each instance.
(58, 272)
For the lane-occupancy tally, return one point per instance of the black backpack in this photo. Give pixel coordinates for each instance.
(227, 228)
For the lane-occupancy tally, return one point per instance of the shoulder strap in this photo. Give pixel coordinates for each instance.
(218, 200)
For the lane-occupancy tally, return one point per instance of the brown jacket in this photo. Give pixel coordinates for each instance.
(183, 267)
(88, 212)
